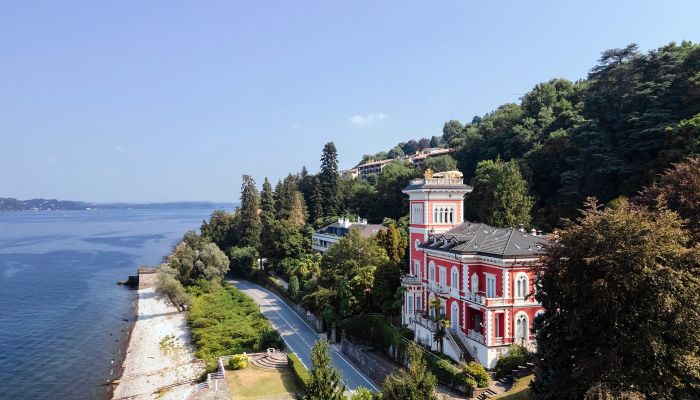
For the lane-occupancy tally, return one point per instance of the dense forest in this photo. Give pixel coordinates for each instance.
(605, 136)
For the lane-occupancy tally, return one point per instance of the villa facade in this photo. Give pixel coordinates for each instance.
(480, 274)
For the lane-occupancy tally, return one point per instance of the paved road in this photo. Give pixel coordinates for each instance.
(298, 335)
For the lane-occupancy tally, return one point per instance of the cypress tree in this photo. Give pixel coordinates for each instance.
(316, 201)
(329, 180)
(325, 381)
(267, 219)
(249, 222)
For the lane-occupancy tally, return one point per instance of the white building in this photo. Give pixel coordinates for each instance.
(323, 238)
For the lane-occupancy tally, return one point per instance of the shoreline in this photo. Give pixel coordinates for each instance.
(159, 361)
(118, 360)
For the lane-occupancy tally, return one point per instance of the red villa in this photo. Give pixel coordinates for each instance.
(480, 274)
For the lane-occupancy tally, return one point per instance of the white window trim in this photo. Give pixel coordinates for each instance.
(454, 277)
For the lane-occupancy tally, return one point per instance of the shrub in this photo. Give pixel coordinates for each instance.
(271, 338)
(293, 288)
(228, 322)
(239, 361)
(362, 393)
(517, 355)
(301, 374)
(449, 374)
(477, 372)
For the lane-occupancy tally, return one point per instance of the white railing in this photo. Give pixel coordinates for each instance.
(474, 335)
(424, 321)
(475, 298)
(410, 280)
(438, 288)
(483, 300)
(461, 337)
(437, 181)
(455, 347)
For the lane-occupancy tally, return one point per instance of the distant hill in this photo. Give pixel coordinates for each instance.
(11, 204)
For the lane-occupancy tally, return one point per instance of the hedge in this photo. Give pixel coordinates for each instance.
(301, 374)
(517, 356)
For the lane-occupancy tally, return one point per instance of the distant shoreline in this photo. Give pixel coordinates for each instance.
(34, 205)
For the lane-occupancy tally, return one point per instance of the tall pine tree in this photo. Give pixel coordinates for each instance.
(249, 220)
(325, 382)
(267, 219)
(329, 180)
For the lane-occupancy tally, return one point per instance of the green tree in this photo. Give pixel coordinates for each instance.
(390, 200)
(168, 286)
(347, 270)
(392, 242)
(500, 195)
(249, 223)
(211, 263)
(220, 229)
(243, 260)
(325, 380)
(293, 288)
(620, 291)
(317, 211)
(416, 383)
(451, 129)
(267, 219)
(328, 179)
(441, 163)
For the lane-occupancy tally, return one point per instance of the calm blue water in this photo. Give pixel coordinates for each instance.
(61, 312)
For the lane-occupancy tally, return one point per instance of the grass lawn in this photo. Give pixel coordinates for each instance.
(520, 390)
(257, 383)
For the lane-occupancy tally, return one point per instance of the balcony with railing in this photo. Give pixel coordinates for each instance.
(410, 280)
(475, 336)
(481, 299)
(425, 321)
(438, 288)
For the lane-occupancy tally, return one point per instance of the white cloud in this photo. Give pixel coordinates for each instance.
(368, 119)
(120, 149)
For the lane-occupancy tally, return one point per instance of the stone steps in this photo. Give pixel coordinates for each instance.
(486, 394)
(271, 361)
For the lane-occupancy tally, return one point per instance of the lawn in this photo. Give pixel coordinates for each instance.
(257, 383)
(520, 390)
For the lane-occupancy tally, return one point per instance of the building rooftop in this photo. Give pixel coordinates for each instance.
(343, 226)
(482, 239)
(440, 180)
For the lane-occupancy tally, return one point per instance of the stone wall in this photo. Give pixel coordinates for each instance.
(147, 278)
(372, 365)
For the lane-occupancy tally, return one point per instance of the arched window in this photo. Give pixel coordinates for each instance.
(452, 215)
(475, 283)
(435, 215)
(431, 268)
(521, 286)
(455, 278)
(522, 329)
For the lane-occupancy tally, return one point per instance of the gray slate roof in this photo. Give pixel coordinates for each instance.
(482, 239)
(337, 229)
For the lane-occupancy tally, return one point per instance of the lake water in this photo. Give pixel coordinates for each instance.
(62, 315)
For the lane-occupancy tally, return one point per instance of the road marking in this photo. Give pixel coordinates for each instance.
(277, 299)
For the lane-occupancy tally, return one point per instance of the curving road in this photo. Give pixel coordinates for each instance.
(298, 335)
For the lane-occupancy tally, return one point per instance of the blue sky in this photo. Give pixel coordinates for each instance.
(168, 100)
